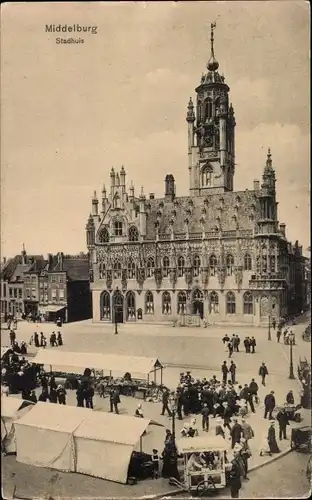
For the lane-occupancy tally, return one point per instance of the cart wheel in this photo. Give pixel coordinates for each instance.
(203, 488)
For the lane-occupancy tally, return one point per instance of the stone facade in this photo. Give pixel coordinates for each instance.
(218, 254)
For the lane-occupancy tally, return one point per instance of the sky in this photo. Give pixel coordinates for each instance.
(72, 111)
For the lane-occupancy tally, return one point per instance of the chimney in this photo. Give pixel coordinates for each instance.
(60, 257)
(169, 188)
(282, 228)
(50, 261)
(256, 185)
(152, 196)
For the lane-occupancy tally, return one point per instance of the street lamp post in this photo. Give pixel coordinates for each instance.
(269, 329)
(116, 321)
(291, 365)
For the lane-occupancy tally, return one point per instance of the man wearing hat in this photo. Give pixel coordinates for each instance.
(247, 430)
(219, 428)
(236, 432)
(205, 417)
(227, 414)
(235, 475)
(225, 372)
(245, 453)
(269, 404)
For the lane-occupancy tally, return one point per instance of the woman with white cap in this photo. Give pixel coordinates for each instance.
(139, 412)
(185, 429)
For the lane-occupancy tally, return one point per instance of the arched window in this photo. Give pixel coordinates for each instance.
(117, 228)
(130, 306)
(207, 176)
(102, 270)
(166, 266)
(181, 304)
(133, 234)
(103, 235)
(213, 262)
(272, 263)
(117, 269)
(196, 265)
(131, 269)
(214, 303)
(105, 306)
(230, 303)
(198, 295)
(248, 303)
(150, 267)
(166, 303)
(247, 262)
(149, 303)
(229, 265)
(181, 265)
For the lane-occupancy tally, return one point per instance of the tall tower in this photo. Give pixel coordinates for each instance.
(211, 147)
(268, 219)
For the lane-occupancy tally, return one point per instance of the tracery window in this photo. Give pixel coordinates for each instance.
(166, 266)
(103, 235)
(133, 234)
(181, 266)
(248, 303)
(102, 271)
(229, 265)
(118, 228)
(207, 176)
(247, 262)
(130, 306)
(213, 262)
(117, 269)
(214, 303)
(150, 267)
(131, 269)
(166, 303)
(272, 263)
(149, 303)
(230, 303)
(181, 304)
(105, 306)
(196, 265)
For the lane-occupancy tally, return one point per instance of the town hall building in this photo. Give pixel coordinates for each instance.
(215, 255)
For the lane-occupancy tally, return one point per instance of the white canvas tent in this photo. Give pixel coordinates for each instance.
(11, 409)
(44, 436)
(74, 439)
(113, 363)
(104, 443)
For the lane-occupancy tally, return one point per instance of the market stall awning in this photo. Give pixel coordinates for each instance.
(51, 308)
(114, 363)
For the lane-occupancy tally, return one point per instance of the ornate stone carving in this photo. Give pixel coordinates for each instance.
(141, 276)
(158, 277)
(124, 280)
(221, 273)
(173, 277)
(205, 275)
(238, 273)
(188, 276)
(109, 279)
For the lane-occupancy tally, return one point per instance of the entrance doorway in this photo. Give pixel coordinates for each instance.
(198, 303)
(118, 307)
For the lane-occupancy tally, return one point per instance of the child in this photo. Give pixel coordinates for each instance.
(155, 460)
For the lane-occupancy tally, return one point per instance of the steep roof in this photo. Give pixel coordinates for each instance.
(14, 266)
(231, 208)
(76, 269)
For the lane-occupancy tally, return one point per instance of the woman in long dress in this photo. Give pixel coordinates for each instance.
(270, 446)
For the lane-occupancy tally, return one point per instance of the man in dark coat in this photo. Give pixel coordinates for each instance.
(283, 421)
(53, 395)
(232, 371)
(225, 371)
(36, 340)
(290, 398)
(165, 401)
(278, 334)
(33, 397)
(253, 389)
(252, 343)
(235, 477)
(205, 417)
(227, 414)
(114, 400)
(263, 372)
(236, 432)
(44, 396)
(269, 404)
(179, 403)
(246, 344)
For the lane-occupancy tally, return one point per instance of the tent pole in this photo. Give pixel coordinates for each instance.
(161, 376)
(140, 444)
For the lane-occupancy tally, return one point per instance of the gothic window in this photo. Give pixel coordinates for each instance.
(229, 265)
(181, 304)
(272, 263)
(118, 228)
(198, 295)
(117, 203)
(214, 303)
(103, 235)
(130, 306)
(131, 269)
(102, 271)
(166, 266)
(196, 265)
(213, 262)
(149, 303)
(181, 266)
(230, 303)
(105, 306)
(248, 303)
(166, 303)
(133, 234)
(247, 262)
(150, 267)
(207, 109)
(207, 176)
(117, 269)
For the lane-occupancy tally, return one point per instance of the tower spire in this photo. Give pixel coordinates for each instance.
(212, 64)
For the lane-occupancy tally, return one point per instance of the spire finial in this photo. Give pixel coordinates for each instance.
(212, 63)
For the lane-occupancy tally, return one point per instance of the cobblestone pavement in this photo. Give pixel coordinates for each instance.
(200, 349)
